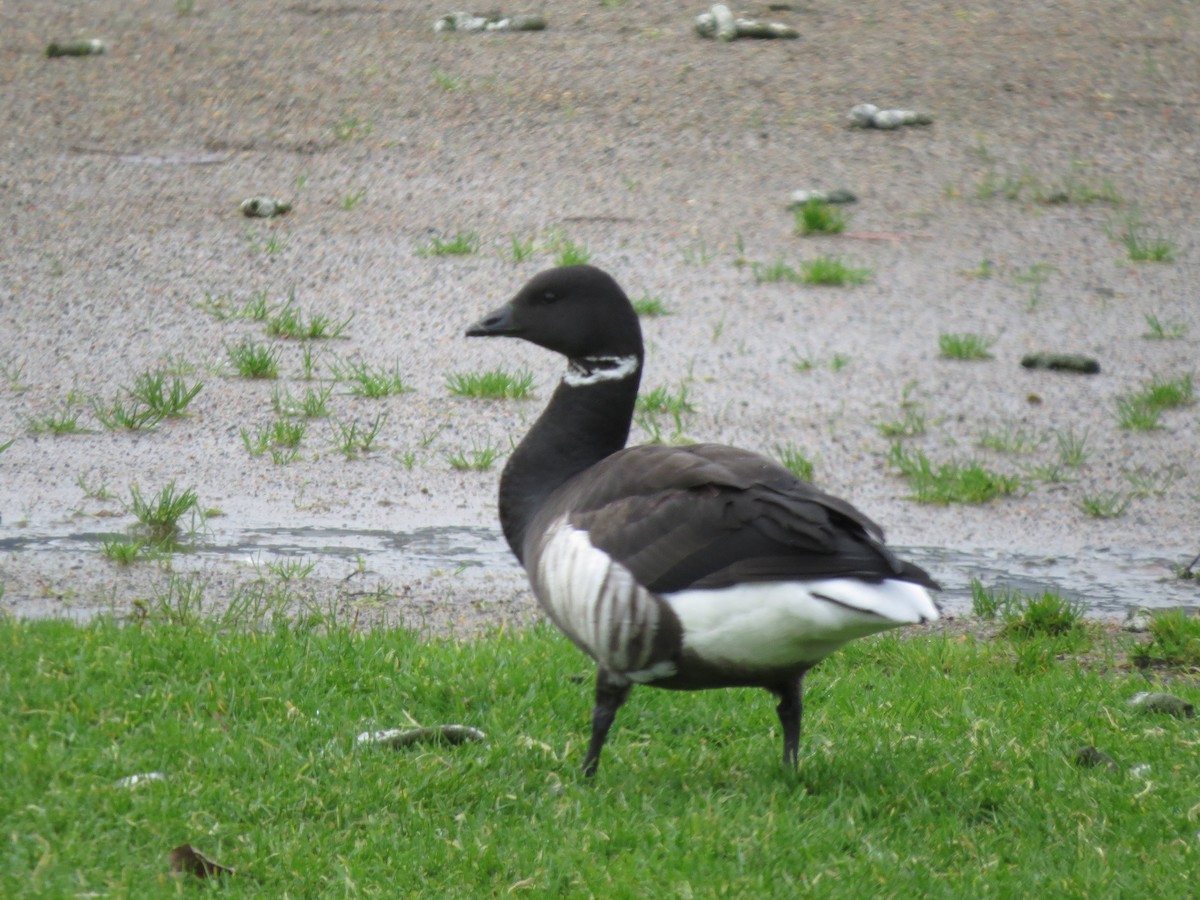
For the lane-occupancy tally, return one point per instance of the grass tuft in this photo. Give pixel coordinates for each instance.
(649, 306)
(823, 270)
(477, 459)
(819, 217)
(952, 482)
(167, 400)
(64, 421)
(965, 346)
(464, 243)
(160, 515)
(795, 460)
(1142, 410)
(371, 382)
(495, 384)
(1163, 331)
(253, 360)
(1174, 640)
(662, 401)
(289, 322)
(1048, 615)
(1106, 505)
(1146, 249)
(354, 440)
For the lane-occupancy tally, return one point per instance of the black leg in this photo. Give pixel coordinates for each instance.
(789, 709)
(610, 694)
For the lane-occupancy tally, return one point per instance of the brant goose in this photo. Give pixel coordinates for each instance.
(693, 567)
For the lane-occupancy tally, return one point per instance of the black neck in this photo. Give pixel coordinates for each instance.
(582, 425)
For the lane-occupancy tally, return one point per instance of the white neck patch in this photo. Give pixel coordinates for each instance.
(595, 369)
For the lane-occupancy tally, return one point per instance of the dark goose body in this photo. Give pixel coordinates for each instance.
(691, 567)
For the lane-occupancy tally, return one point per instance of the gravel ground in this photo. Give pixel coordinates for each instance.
(670, 158)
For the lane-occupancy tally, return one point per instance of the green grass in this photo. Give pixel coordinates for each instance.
(350, 128)
(1032, 616)
(989, 603)
(796, 460)
(464, 243)
(369, 381)
(662, 401)
(288, 322)
(1047, 615)
(649, 306)
(1174, 640)
(1158, 330)
(253, 360)
(160, 515)
(929, 767)
(273, 244)
(1168, 393)
(223, 307)
(495, 384)
(122, 413)
(910, 424)
(1105, 505)
(1034, 277)
(477, 459)
(520, 250)
(353, 200)
(1072, 447)
(951, 482)
(1142, 410)
(1146, 249)
(965, 346)
(446, 81)
(819, 217)
(124, 550)
(823, 270)
(281, 439)
(353, 439)
(168, 400)
(62, 421)
(568, 253)
(313, 405)
(1010, 439)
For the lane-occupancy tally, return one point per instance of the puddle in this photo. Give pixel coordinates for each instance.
(332, 551)
(1106, 581)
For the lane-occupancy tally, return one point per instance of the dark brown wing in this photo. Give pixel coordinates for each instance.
(709, 516)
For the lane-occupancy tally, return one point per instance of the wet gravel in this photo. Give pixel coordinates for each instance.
(672, 159)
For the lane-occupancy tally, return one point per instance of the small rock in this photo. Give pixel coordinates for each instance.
(1152, 701)
(753, 28)
(867, 115)
(720, 23)
(1062, 362)
(1091, 758)
(91, 47)
(471, 22)
(130, 781)
(1138, 620)
(395, 738)
(264, 207)
(801, 197)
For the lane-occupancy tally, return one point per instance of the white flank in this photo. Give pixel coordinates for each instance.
(773, 624)
(594, 369)
(598, 603)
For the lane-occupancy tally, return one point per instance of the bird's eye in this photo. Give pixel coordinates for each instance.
(549, 297)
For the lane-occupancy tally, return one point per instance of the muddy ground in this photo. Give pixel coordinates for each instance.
(671, 159)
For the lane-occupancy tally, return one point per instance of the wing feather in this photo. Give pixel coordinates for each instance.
(709, 516)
